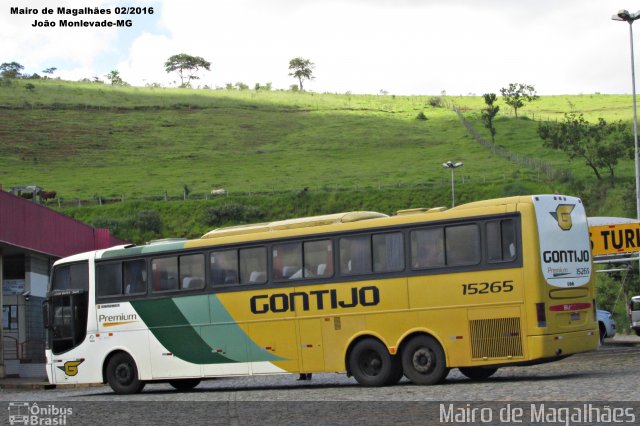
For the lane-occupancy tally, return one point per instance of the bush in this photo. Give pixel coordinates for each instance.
(112, 225)
(232, 212)
(146, 221)
(436, 101)
(421, 116)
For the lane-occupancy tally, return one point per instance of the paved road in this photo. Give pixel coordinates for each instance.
(611, 373)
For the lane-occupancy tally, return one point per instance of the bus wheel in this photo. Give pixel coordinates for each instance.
(423, 361)
(122, 374)
(184, 384)
(477, 373)
(372, 365)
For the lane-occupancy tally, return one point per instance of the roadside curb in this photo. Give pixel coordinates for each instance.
(29, 385)
(622, 341)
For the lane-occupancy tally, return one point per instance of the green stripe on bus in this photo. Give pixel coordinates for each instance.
(182, 326)
(174, 332)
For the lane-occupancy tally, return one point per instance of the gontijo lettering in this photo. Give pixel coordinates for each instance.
(318, 299)
(556, 256)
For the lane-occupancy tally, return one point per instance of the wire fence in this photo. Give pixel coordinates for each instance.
(427, 184)
(540, 166)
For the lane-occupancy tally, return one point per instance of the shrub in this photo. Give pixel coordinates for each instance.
(145, 221)
(436, 101)
(232, 212)
(421, 116)
(106, 222)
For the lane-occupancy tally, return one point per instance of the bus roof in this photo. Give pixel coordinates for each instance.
(302, 222)
(303, 225)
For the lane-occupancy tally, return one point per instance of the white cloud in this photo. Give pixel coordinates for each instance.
(41, 47)
(363, 46)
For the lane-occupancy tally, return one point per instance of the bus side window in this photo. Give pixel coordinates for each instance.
(192, 271)
(388, 252)
(287, 261)
(165, 273)
(109, 279)
(427, 248)
(501, 240)
(462, 243)
(135, 276)
(253, 265)
(223, 266)
(355, 255)
(318, 259)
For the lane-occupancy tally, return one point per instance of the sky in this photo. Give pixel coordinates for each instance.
(402, 47)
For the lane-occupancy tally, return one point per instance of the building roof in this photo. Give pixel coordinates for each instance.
(37, 228)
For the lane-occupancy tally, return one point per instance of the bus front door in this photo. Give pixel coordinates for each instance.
(66, 324)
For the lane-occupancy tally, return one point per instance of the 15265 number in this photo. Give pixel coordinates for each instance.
(486, 288)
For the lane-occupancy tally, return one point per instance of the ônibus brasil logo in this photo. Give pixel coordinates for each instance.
(26, 413)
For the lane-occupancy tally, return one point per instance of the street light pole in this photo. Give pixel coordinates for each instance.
(451, 165)
(624, 15)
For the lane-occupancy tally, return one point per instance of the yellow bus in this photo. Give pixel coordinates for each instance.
(483, 285)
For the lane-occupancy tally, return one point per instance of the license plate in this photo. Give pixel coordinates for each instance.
(575, 316)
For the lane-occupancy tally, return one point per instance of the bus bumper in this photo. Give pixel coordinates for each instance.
(553, 345)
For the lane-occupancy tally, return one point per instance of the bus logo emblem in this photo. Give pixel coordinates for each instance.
(563, 216)
(71, 367)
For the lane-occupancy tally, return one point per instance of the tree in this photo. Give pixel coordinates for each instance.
(50, 70)
(301, 69)
(517, 94)
(600, 145)
(186, 66)
(489, 113)
(10, 69)
(115, 79)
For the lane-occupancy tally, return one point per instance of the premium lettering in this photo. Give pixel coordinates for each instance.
(316, 299)
(119, 317)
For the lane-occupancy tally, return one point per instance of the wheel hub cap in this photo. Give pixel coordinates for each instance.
(422, 360)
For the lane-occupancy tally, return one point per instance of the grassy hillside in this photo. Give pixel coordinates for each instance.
(90, 141)
(87, 140)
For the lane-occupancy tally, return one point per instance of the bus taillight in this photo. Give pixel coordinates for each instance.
(541, 314)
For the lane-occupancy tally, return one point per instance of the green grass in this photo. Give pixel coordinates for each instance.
(85, 140)
(88, 140)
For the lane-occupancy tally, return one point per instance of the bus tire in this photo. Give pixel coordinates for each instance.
(372, 365)
(477, 373)
(637, 330)
(183, 385)
(423, 361)
(122, 374)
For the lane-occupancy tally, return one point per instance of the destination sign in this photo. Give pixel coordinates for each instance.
(615, 239)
